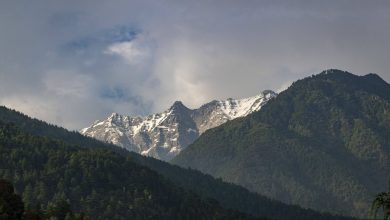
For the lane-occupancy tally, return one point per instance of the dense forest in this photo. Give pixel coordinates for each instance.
(47, 164)
(323, 143)
(230, 195)
(98, 182)
(12, 207)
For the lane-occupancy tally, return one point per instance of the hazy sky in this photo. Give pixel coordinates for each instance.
(71, 62)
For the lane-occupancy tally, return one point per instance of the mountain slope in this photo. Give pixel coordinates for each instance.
(164, 135)
(323, 144)
(26, 164)
(98, 182)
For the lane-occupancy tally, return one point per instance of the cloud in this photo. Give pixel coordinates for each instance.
(134, 51)
(127, 50)
(68, 83)
(71, 64)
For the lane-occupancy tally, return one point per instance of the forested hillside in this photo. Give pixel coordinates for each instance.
(98, 182)
(45, 169)
(323, 143)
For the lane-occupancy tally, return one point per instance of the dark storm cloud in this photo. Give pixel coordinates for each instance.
(71, 62)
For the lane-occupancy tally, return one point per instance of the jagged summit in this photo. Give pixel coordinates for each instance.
(114, 115)
(164, 135)
(178, 106)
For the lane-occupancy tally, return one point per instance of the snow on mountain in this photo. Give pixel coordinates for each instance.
(164, 135)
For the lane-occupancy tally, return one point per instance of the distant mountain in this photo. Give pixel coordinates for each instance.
(324, 143)
(49, 164)
(164, 135)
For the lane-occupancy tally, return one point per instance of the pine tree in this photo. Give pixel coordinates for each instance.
(381, 201)
(11, 205)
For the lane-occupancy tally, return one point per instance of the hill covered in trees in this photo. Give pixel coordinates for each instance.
(98, 182)
(323, 143)
(49, 164)
(12, 207)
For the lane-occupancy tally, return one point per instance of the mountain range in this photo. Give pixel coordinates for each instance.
(323, 143)
(164, 135)
(56, 172)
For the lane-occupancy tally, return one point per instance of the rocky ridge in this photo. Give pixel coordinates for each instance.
(164, 135)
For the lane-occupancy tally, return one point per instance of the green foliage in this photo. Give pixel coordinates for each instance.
(40, 128)
(230, 195)
(323, 144)
(100, 183)
(382, 203)
(11, 205)
(93, 179)
(59, 209)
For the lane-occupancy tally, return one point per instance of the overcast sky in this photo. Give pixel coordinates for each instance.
(72, 62)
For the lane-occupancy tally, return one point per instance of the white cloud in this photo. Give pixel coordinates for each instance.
(134, 52)
(127, 50)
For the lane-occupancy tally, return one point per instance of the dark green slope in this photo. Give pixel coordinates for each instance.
(230, 195)
(41, 128)
(324, 143)
(100, 183)
(106, 173)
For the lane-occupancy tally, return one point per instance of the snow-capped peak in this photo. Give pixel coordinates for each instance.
(234, 108)
(164, 135)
